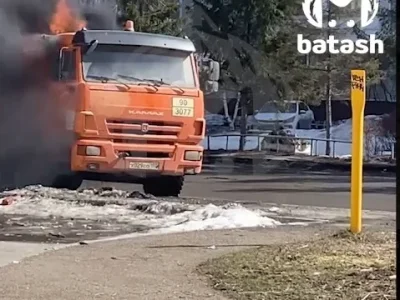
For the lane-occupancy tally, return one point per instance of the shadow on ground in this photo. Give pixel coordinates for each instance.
(368, 190)
(312, 177)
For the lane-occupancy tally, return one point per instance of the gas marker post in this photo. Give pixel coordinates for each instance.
(357, 147)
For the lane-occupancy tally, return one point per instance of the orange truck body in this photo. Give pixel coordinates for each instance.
(125, 130)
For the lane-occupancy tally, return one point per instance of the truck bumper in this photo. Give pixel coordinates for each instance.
(136, 159)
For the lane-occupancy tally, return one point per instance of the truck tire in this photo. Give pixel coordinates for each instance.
(69, 182)
(164, 186)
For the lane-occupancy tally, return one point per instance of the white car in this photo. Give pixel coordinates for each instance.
(287, 114)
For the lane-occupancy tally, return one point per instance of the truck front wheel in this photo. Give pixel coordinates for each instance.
(69, 182)
(164, 186)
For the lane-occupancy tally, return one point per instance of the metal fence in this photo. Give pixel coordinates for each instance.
(318, 125)
(299, 145)
(384, 147)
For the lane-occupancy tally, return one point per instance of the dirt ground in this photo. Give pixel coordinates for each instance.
(144, 268)
(338, 266)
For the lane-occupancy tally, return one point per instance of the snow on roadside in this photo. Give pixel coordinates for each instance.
(117, 206)
(341, 132)
(226, 217)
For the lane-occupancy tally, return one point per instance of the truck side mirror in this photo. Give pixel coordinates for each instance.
(214, 74)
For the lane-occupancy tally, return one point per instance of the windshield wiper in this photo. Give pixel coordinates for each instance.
(150, 82)
(140, 80)
(160, 82)
(136, 79)
(105, 79)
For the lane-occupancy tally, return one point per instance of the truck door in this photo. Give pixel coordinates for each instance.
(65, 107)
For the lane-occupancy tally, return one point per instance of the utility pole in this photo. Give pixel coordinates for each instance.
(243, 120)
(243, 95)
(328, 104)
(181, 9)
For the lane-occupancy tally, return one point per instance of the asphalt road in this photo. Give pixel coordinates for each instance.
(324, 189)
(223, 185)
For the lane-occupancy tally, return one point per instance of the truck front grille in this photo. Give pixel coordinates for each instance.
(138, 129)
(142, 142)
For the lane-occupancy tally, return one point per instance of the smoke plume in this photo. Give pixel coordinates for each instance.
(27, 108)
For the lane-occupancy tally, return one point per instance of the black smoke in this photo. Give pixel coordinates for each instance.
(34, 16)
(99, 14)
(29, 150)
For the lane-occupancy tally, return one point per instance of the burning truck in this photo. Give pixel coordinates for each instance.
(109, 105)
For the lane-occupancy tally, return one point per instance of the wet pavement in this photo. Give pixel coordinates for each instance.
(23, 228)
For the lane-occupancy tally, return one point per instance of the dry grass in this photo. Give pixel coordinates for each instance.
(341, 266)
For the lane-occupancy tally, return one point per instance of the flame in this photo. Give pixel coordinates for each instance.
(64, 19)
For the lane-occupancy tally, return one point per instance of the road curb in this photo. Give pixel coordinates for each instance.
(257, 160)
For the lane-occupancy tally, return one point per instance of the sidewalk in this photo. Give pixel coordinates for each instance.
(145, 268)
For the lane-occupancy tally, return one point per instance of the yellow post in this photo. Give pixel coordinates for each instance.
(357, 106)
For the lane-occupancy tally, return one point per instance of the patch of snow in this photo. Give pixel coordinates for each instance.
(216, 217)
(164, 216)
(297, 224)
(273, 209)
(341, 132)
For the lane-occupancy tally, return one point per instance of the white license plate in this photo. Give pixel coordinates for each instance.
(144, 165)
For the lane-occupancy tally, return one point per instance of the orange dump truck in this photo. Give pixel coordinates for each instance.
(132, 107)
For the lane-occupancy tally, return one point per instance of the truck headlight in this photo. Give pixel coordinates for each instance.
(93, 151)
(193, 155)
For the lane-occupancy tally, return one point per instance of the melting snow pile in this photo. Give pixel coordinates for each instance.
(126, 208)
(374, 142)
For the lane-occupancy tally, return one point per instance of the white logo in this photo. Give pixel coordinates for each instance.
(369, 9)
(145, 127)
(314, 12)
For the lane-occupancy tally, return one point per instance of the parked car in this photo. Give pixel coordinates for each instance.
(287, 114)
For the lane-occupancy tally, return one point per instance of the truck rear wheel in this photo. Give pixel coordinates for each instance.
(164, 186)
(69, 182)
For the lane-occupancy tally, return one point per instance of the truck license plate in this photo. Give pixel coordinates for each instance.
(144, 165)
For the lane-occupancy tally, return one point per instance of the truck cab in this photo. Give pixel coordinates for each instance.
(133, 109)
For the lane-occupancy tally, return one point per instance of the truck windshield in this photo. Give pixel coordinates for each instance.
(138, 64)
